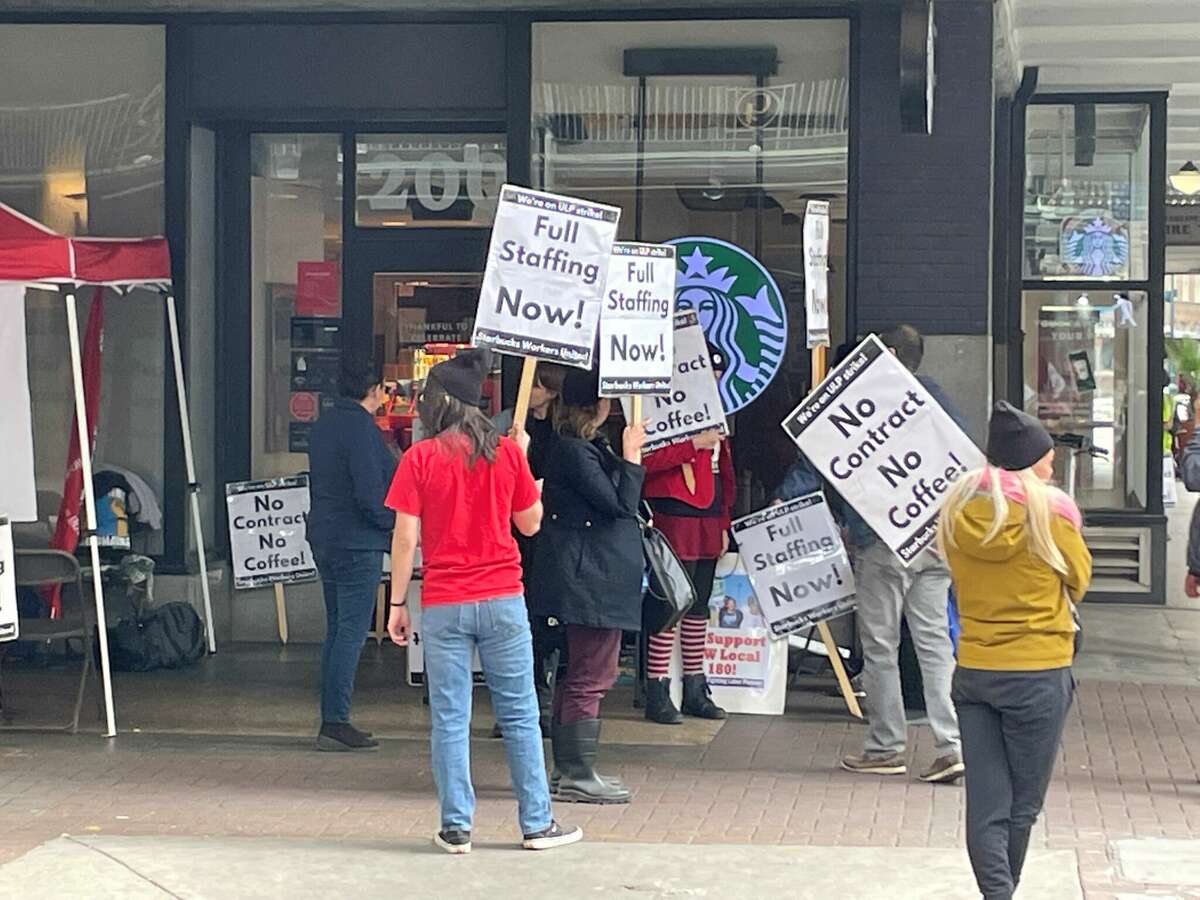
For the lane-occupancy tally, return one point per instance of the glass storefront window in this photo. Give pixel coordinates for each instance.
(81, 150)
(428, 180)
(295, 291)
(727, 152)
(1086, 362)
(1087, 191)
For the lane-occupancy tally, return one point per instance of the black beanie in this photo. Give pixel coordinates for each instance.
(1016, 440)
(581, 387)
(462, 376)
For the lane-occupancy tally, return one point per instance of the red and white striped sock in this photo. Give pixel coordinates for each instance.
(658, 654)
(694, 630)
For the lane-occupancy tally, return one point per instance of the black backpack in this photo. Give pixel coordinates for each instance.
(170, 636)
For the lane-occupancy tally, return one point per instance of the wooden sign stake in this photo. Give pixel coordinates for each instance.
(831, 647)
(528, 372)
(636, 416)
(281, 613)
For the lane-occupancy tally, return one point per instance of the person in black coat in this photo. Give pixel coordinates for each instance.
(587, 574)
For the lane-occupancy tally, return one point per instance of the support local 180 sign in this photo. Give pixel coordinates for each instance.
(546, 268)
(268, 522)
(885, 445)
(693, 404)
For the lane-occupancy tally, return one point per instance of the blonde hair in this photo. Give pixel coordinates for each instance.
(577, 421)
(1037, 508)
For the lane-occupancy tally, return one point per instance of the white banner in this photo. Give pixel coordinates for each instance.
(18, 487)
(9, 630)
(637, 337)
(816, 273)
(268, 522)
(797, 563)
(694, 403)
(885, 445)
(544, 280)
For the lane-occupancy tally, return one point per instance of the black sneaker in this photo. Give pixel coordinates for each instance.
(337, 737)
(453, 840)
(554, 836)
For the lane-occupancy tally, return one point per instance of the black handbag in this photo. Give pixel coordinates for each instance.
(669, 589)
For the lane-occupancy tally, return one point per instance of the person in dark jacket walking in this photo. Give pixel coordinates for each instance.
(587, 574)
(349, 528)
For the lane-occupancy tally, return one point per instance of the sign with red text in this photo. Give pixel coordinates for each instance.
(637, 334)
(797, 563)
(544, 280)
(884, 443)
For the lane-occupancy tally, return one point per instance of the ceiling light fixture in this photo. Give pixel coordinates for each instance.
(1187, 179)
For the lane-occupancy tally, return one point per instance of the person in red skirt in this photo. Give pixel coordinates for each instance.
(693, 511)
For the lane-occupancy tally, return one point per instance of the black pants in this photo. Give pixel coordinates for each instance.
(703, 572)
(1011, 725)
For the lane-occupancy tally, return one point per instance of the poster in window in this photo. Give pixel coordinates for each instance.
(1065, 338)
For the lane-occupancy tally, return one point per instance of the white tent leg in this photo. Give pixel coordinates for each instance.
(185, 426)
(89, 496)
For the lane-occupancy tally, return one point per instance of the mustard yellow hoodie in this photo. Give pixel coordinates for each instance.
(1012, 605)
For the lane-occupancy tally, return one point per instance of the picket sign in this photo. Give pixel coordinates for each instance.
(9, 624)
(268, 541)
(544, 281)
(881, 439)
(637, 335)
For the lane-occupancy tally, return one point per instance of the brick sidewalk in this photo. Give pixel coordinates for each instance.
(1129, 769)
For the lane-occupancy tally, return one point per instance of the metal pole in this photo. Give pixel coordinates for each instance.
(185, 426)
(85, 459)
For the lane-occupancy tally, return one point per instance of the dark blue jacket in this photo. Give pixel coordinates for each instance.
(350, 471)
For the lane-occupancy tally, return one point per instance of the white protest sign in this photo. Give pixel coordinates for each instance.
(694, 405)
(9, 630)
(544, 280)
(884, 443)
(268, 522)
(816, 273)
(797, 563)
(637, 335)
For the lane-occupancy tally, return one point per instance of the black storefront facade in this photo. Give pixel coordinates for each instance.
(368, 147)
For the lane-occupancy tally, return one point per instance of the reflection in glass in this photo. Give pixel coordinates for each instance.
(428, 180)
(1085, 374)
(1087, 196)
(295, 293)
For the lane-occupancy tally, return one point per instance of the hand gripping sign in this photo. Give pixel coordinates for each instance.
(796, 563)
(544, 280)
(884, 443)
(637, 337)
(693, 405)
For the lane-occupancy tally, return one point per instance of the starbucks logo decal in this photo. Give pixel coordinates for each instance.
(741, 311)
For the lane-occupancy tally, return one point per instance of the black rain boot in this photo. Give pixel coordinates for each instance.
(575, 747)
(697, 700)
(659, 707)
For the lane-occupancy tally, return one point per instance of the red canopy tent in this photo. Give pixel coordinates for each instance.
(35, 256)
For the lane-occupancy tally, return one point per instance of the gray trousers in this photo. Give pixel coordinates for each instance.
(887, 590)
(1012, 725)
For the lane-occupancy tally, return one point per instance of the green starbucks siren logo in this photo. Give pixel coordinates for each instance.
(740, 309)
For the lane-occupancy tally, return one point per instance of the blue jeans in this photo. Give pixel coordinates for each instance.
(350, 579)
(499, 629)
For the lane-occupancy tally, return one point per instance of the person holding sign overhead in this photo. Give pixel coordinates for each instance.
(1019, 563)
(587, 573)
(694, 516)
(465, 488)
(348, 529)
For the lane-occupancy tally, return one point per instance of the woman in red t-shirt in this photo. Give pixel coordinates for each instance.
(693, 512)
(462, 490)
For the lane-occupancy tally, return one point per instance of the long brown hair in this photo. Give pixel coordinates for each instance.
(577, 421)
(443, 414)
